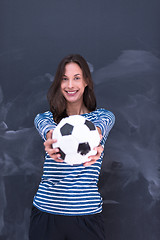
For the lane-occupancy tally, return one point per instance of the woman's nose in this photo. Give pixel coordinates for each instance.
(70, 83)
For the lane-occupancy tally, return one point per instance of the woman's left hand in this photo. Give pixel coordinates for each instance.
(94, 158)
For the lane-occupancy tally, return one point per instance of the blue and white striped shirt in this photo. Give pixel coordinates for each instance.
(71, 190)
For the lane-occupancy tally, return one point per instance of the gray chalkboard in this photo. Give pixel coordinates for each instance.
(120, 40)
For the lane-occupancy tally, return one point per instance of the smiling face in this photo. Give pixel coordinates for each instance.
(73, 83)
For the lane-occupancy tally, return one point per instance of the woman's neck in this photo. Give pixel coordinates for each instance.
(73, 109)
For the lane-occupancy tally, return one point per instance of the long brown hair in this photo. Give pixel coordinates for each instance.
(56, 99)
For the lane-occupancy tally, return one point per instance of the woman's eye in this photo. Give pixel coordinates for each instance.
(64, 78)
(77, 78)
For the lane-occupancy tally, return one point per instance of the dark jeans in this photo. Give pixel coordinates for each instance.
(46, 226)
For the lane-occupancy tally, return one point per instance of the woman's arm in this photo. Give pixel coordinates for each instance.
(104, 121)
(44, 123)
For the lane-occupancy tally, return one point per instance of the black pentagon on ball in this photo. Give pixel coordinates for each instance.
(83, 148)
(62, 154)
(90, 125)
(66, 129)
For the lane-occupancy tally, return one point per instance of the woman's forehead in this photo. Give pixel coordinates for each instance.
(72, 69)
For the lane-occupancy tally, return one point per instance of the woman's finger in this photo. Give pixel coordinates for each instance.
(94, 158)
(49, 142)
(49, 134)
(86, 164)
(55, 155)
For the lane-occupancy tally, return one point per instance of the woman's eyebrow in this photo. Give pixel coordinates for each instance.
(77, 74)
(74, 74)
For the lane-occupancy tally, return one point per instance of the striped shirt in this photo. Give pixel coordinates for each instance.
(71, 190)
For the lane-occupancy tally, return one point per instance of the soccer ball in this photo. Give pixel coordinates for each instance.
(76, 137)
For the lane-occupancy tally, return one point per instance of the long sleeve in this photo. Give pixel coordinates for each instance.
(105, 121)
(43, 123)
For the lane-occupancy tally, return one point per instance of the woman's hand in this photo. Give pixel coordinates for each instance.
(94, 158)
(99, 150)
(53, 152)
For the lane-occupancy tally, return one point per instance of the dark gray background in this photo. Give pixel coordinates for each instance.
(121, 41)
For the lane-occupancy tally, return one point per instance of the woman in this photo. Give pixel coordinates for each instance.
(67, 204)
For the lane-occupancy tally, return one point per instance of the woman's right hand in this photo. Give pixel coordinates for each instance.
(53, 152)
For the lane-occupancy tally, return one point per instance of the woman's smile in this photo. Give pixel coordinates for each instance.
(72, 93)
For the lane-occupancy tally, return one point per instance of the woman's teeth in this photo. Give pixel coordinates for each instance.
(71, 92)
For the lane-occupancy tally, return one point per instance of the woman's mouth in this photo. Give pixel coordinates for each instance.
(71, 93)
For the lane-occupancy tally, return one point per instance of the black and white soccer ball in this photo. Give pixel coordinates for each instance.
(76, 137)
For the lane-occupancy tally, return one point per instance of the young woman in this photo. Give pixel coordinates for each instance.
(67, 205)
